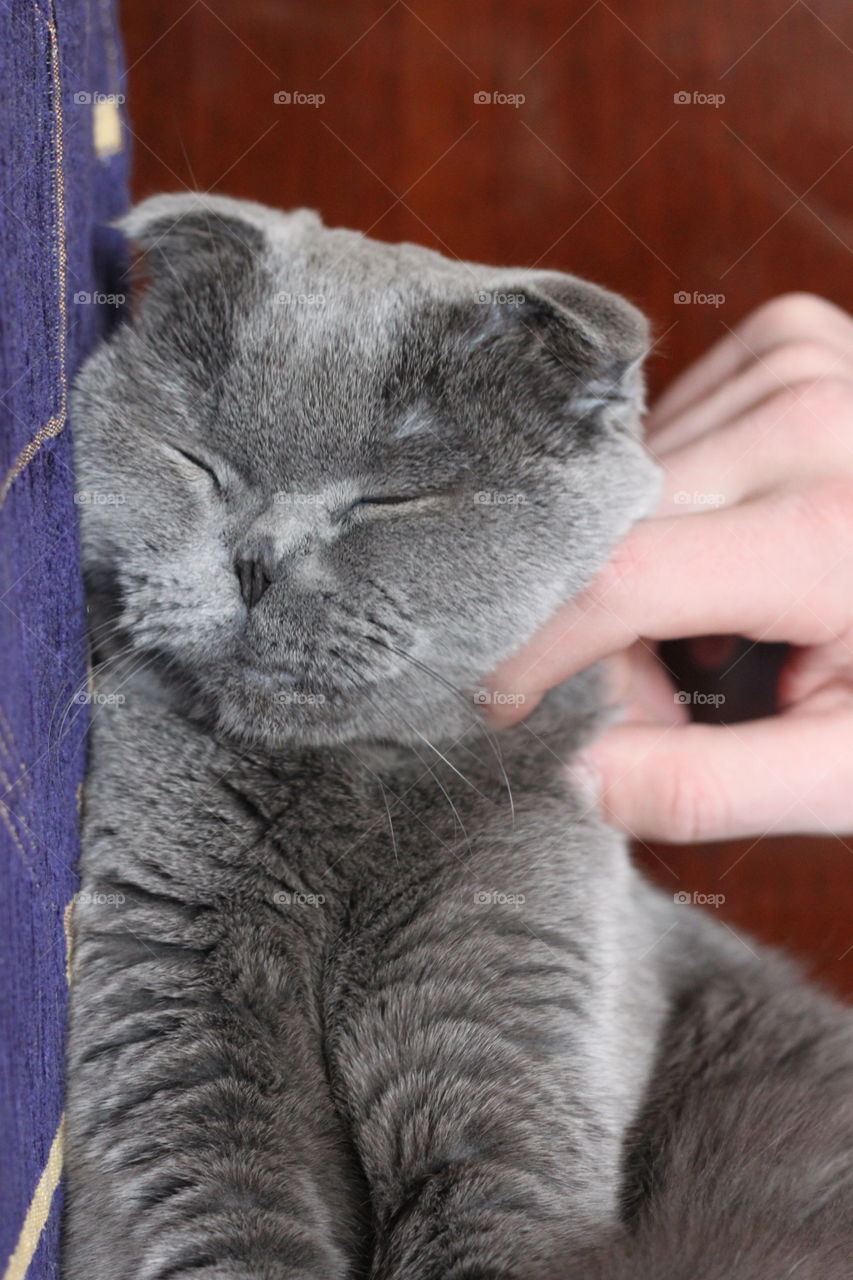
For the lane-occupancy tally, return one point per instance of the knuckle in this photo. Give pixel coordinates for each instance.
(621, 570)
(811, 526)
(815, 405)
(833, 395)
(824, 509)
(802, 360)
(694, 805)
(828, 394)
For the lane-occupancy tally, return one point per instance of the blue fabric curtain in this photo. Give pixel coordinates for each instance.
(63, 174)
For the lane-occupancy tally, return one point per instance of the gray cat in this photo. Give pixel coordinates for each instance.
(360, 989)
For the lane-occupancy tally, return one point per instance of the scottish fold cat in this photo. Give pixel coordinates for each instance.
(362, 989)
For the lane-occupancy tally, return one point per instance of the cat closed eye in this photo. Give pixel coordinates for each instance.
(200, 465)
(387, 500)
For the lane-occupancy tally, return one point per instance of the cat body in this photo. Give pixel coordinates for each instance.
(325, 1026)
(360, 988)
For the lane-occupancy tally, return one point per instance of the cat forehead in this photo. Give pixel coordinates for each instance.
(356, 337)
(336, 279)
(337, 254)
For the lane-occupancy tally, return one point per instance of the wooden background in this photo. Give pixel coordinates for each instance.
(736, 194)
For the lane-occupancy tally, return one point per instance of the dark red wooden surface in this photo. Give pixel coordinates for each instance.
(599, 170)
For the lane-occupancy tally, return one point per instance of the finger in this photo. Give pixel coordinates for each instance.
(775, 568)
(502, 715)
(719, 782)
(785, 365)
(645, 692)
(790, 318)
(796, 434)
(806, 672)
(635, 684)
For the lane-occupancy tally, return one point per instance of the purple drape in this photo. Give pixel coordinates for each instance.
(63, 174)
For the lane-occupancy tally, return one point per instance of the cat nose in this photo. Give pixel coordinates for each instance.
(253, 574)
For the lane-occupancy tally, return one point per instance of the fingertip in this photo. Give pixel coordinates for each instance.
(625, 760)
(585, 778)
(506, 708)
(593, 772)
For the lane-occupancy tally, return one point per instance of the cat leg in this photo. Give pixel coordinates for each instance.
(740, 1164)
(202, 1138)
(484, 1060)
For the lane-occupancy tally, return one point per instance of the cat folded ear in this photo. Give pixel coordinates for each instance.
(191, 228)
(589, 340)
(201, 260)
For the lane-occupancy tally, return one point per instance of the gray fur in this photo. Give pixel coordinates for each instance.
(359, 989)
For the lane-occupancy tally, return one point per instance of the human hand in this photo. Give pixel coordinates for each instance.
(753, 536)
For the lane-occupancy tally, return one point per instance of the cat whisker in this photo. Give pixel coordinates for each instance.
(75, 699)
(98, 671)
(435, 778)
(443, 757)
(459, 693)
(444, 790)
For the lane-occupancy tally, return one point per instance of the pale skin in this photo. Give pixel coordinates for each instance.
(753, 536)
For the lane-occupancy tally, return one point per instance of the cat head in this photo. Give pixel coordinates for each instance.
(331, 483)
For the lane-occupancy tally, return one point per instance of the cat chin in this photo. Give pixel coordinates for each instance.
(290, 718)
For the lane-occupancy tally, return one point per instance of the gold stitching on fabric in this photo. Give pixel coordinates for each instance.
(68, 928)
(54, 425)
(39, 1210)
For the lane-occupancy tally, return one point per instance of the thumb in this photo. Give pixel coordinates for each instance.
(697, 782)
